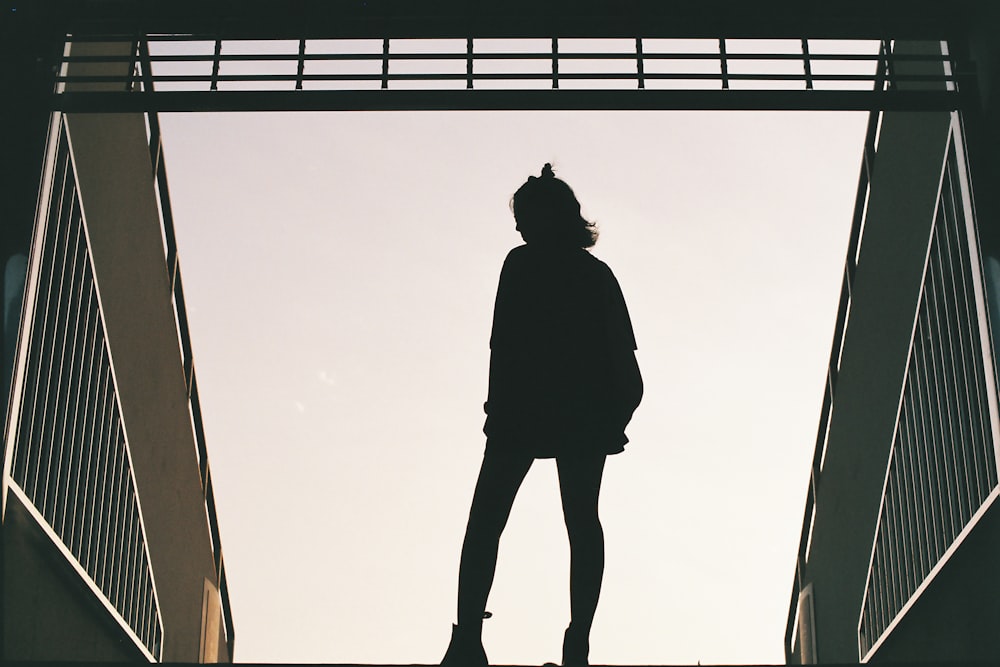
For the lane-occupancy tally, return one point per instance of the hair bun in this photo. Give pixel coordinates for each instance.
(547, 171)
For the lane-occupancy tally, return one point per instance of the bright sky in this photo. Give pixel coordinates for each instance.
(340, 270)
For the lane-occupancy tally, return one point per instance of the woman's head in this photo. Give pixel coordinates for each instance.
(547, 212)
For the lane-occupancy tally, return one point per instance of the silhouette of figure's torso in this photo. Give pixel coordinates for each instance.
(561, 345)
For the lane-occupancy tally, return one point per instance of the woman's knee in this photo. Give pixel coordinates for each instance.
(485, 523)
(584, 527)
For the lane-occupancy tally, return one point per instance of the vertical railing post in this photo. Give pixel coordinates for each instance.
(723, 63)
(639, 64)
(807, 64)
(468, 63)
(555, 62)
(885, 75)
(385, 63)
(301, 64)
(134, 51)
(215, 65)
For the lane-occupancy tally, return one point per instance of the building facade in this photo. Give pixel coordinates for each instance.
(901, 535)
(111, 547)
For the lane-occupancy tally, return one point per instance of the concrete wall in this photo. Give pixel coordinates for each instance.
(894, 244)
(50, 613)
(119, 205)
(957, 616)
(887, 286)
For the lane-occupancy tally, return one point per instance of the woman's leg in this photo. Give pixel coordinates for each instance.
(580, 486)
(499, 479)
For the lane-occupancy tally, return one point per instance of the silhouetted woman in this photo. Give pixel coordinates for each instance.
(563, 384)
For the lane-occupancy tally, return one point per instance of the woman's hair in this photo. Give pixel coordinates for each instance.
(547, 211)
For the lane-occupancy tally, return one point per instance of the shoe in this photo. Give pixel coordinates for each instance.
(576, 648)
(466, 648)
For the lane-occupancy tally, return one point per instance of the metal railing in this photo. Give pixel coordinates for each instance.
(71, 459)
(144, 80)
(837, 347)
(942, 465)
(199, 71)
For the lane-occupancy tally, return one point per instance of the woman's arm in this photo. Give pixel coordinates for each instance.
(626, 378)
(503, 339)
(628, 383)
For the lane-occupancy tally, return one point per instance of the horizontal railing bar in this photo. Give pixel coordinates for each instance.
(536, 55)
(462, 76)
(229, 37)
(508, 99)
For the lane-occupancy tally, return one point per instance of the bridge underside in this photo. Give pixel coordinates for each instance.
(294, 19)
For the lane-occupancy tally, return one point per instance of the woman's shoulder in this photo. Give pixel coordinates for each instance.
(596, 265)
(517, 261)
(517, 253)
(577, 261)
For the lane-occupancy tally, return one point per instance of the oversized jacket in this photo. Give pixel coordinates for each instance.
(563, 375)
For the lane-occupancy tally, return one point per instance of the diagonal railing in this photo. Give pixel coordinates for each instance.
(71, 463)
(942, 466)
